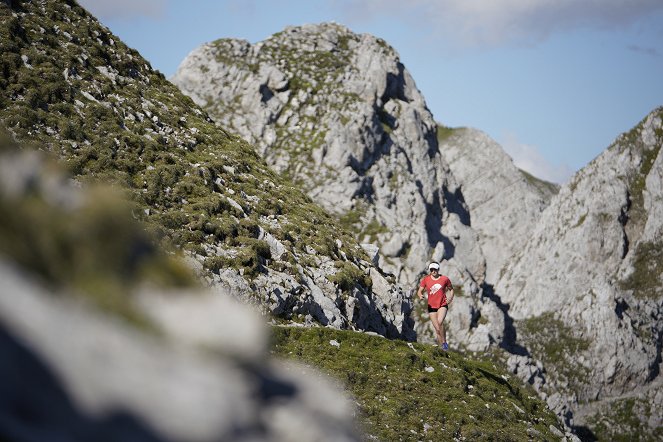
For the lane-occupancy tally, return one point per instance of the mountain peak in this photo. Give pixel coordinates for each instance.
(339, 114)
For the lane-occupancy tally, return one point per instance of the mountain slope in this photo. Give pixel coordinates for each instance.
(504, 202)
(70, 86)
(104, 337)
(415, 392)
(586, 290)
(340, 114)
(79, 372)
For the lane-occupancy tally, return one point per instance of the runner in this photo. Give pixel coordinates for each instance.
(440, 294)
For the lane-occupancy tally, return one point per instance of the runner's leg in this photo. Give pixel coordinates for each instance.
(440, 315)
(436, 325)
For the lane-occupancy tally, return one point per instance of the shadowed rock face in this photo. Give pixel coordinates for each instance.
(339, 114)
(586, 289)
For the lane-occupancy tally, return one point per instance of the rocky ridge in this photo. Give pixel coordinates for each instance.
(591, 308)
(504, 202)
(339, 114)
(70, 86)
(176, 362)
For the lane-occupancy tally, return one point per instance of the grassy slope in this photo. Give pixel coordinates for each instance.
(399, 399)
(72, 88)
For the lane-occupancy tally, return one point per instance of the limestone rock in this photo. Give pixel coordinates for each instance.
(114, 117)
(80, 374)
(585, 290)
(339, 113)
(504, 202)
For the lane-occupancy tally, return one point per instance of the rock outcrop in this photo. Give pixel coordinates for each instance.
(71, 87)
(586, 289)
(81, 375)
(504, 202)
(339, 114)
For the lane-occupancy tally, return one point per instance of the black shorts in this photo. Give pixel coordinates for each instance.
(433, 309)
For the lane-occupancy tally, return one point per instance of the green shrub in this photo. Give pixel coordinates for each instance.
(348, 276)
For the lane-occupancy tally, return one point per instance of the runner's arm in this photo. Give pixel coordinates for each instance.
(420, 292)
(450, 295)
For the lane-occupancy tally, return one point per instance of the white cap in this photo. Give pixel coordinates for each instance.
(433, 265)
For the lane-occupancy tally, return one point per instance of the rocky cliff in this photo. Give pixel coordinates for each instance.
(504, 202)
(339, 114)
(586, 289)
(69, 85)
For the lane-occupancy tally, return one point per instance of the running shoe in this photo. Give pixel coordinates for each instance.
(445, 346)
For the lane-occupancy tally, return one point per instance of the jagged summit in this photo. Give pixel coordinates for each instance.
(339, 114)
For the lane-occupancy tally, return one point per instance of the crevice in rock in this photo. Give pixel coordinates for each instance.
(365, 191)
(395, 87)
(370, 158)
(455, 202)
(509, 342)
(584, 433)
(623, 220)
(409, 164)
(620, 307)
(265, 93)
(433, 220)
(656, 365)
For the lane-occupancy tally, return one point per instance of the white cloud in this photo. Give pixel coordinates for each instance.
(530, 159)
(493, 22)
(124, 9)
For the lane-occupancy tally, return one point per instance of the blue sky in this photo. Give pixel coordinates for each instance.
(553, 81)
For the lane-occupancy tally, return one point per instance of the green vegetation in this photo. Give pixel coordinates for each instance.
(555, 344)
(645, 281)
(352, 219)
(637, 186)
(73, 89)
(348, 276)
(415, 392)
(444, 132)
(619, 422)
(89, 244)
(581, 221)
(373, 229)
(546, 187)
